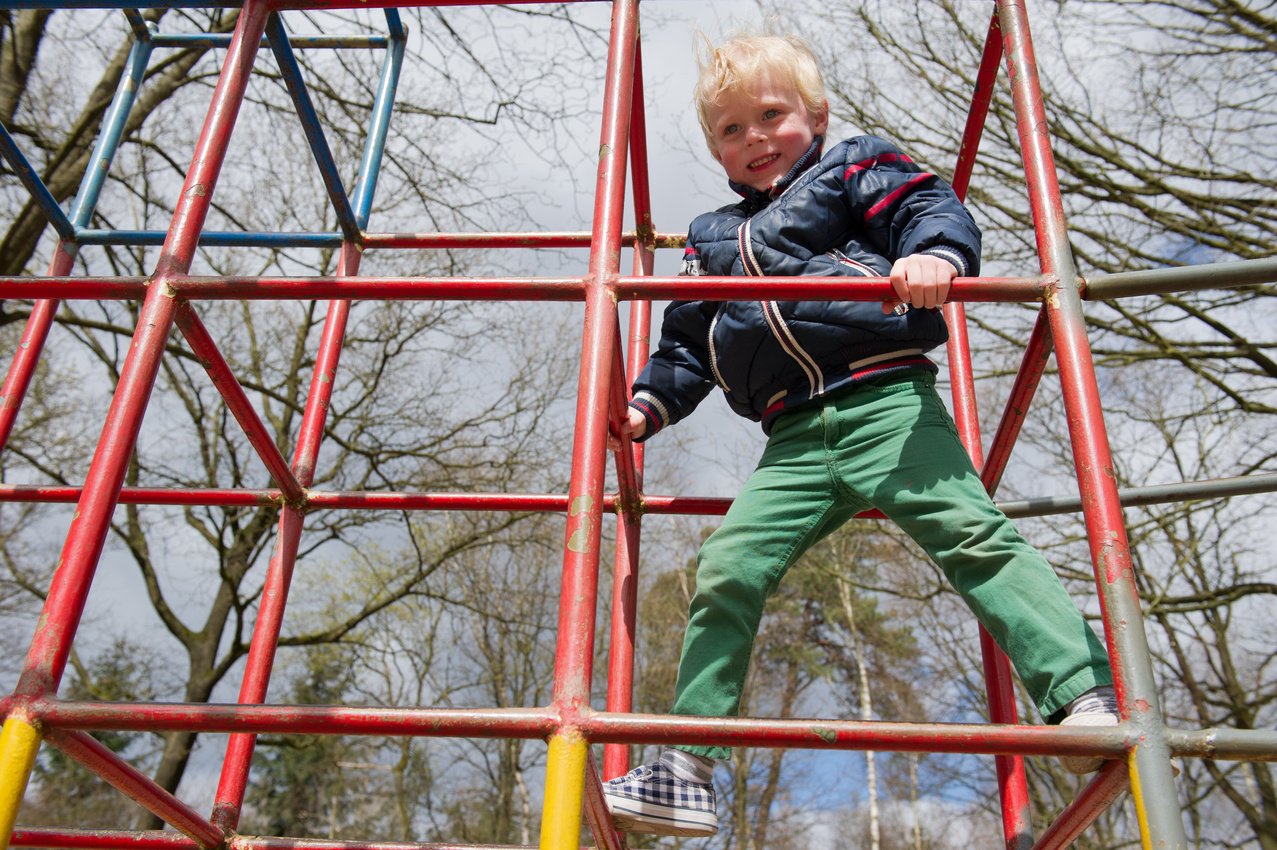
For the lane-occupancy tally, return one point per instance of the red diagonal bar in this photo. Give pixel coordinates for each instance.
(25, 359)
(241, 408)
(270, 616)
(94, 755)
(606, 836)
(1037, 353)
(1101, 792)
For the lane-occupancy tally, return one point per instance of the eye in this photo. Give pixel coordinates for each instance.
(730, 129)
(770, 114)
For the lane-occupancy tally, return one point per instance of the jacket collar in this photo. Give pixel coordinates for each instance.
(756, 199)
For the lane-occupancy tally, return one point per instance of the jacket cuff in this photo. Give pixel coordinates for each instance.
(654, 412)
(952, 255)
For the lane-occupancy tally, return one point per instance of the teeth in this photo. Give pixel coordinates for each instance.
(758, 163)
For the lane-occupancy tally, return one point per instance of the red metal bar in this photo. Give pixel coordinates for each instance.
(74, 288)
(858, 735)
(1037, 353)
(597, 815)
(270, 615)
(94, 755)
(531, 723)
(1157, 807)
(25, 359)
(823, 288)
(241, 408)
(581, 552)
(622, 643)
(101, 839)
(999, 687)
(575, 643)
(297, 719)
(650, 288)
(385, 289)
(518, 240)
(107, 839)
(1100, 793)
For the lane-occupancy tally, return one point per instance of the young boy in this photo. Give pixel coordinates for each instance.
(847, 399)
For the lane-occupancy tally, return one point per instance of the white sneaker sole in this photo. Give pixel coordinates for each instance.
(1086, 764)
(656, 819)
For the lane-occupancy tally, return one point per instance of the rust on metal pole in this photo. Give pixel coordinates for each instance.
(1152, 784)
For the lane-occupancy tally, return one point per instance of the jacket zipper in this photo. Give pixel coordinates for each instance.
(776, 322)
(713, 352)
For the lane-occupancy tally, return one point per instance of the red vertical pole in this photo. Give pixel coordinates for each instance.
(1152, 784)
(1012, 783)
(620, 677)
(565, 766)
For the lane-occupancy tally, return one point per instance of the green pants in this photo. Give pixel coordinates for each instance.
(893, 446)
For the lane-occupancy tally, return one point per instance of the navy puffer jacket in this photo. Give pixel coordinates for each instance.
(850, 213)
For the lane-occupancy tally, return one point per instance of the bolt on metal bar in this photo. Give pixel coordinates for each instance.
(311, 125)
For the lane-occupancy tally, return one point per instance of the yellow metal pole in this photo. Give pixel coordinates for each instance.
(19, 743)
(564, 789)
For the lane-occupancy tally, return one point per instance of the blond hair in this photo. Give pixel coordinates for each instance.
(735, 65)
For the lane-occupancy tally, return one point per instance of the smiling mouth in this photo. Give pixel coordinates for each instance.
(763, 162)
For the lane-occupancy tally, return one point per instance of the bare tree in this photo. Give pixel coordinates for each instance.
(430, 395)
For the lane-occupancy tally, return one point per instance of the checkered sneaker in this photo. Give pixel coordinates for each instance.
(651, 799)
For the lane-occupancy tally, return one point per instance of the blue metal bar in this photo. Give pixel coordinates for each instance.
(39, 192)
(86, 199)
(196, 39)
(225, 239)
(292, 73)
(383, 105)
(141, 31)
(395, 25)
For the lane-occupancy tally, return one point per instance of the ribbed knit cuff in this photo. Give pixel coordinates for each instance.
(654, 412)
(952, 255)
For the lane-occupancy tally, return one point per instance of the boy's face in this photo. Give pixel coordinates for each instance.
(759, 133)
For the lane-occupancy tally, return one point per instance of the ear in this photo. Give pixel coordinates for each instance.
(820, 122)
(713, 151)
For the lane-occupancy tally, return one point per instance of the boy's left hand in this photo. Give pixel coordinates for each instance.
(921, 280)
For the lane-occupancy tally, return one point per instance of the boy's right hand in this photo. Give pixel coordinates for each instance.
(634, 426)
(921, 280)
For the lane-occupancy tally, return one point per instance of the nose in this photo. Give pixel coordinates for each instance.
(753, 133)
